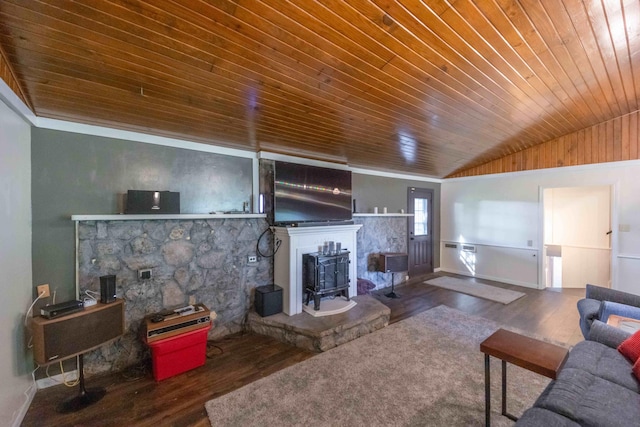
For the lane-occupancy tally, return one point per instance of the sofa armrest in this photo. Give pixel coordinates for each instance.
(607, 334)
(606, 294)
(589, 309)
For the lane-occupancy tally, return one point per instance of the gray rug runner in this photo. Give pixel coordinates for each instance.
(466, 286)
(423, 371)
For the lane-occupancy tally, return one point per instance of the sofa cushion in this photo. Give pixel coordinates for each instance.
(536, 417)
(607, 334)
(636, 369)
(630, 347)
(590, 400)
(604, 362)
(607, 308)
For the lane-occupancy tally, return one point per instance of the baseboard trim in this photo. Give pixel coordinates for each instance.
(437, 270)
(495, 279)
(47, 382)
(29, 393)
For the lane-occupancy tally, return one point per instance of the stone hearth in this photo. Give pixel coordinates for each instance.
(323, 333)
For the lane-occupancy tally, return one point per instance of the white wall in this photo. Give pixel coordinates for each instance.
(517, 266)
(16, 364)
(483, 212)
(505, 211)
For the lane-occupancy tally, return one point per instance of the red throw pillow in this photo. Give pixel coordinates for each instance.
(630, 347)
(636, 369)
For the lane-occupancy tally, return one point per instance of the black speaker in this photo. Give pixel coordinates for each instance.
(152, 202)
(268, 300)
(107, 289)
(393, 262)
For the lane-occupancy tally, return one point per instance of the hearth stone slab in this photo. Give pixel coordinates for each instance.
(329, 307)
(323, 333)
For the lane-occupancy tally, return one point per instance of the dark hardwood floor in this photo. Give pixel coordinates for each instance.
(240, 359)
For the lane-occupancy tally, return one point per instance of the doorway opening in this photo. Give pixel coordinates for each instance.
(577, 236)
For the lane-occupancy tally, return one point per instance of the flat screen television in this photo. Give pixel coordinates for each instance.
(310, 194)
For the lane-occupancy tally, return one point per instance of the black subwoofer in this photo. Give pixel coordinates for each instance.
(268, 300)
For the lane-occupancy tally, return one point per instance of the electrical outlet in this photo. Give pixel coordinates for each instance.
(253, 258)
(44, 290)
(144, 274)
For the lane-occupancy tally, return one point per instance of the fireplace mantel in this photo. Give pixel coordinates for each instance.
(296, 241)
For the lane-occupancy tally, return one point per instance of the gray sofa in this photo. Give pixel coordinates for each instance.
(596, 387)
(599, 302)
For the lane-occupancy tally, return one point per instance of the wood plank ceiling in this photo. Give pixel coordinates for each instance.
(427, 87)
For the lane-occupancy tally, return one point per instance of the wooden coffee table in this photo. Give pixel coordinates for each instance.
(528, 353)
(627, 324)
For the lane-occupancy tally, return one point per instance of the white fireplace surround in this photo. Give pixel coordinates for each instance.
(297, 241)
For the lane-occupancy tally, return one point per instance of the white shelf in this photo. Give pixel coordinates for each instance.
(138, 217)
(382, 214)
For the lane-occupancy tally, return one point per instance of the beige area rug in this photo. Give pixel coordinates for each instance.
(423, 371)
(469, 287)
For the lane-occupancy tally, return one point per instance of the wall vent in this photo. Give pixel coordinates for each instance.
(468, 248)
(451, 245)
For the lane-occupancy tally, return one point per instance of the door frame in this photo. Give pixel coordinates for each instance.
(614, 227)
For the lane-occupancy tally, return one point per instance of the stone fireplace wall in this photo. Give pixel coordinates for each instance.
(379, 234)
(205, 259)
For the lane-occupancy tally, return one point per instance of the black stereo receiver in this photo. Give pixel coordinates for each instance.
(61, 309)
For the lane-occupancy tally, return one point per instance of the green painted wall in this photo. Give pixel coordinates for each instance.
(81, 174)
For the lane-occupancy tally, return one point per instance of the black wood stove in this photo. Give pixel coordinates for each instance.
(325, 275)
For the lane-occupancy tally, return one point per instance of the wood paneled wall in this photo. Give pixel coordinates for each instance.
(7, 75)
(611, 141)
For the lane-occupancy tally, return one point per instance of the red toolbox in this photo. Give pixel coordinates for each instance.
(178, 354)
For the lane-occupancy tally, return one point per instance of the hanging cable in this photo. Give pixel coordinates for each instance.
(276, 243)
(67, 382)
(26, 317)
